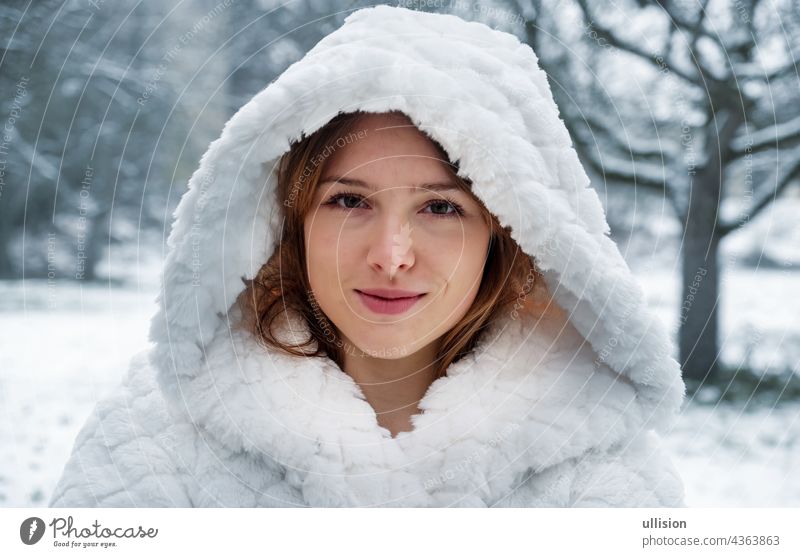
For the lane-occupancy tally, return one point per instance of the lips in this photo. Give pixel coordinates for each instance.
(390, 293)
(399, 302)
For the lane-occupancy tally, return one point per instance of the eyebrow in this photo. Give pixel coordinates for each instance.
(433, 186)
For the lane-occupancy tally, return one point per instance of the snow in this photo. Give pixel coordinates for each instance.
(738, 454)
(64, 347)
(735, 457)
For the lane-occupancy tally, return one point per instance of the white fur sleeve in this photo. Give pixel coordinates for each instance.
(638, 473)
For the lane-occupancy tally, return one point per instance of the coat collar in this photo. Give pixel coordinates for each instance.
(531, 395)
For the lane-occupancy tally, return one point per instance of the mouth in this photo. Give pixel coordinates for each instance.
(390, 306)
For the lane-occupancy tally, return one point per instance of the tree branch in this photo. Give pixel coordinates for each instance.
(644, 148)
(791, 173)
(660, 63)
(695, 29)
(773, 137)
(626, 174)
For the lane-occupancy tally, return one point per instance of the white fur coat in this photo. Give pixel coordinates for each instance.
(559, 408)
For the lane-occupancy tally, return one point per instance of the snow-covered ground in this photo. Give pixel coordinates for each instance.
(730, 456)
(740, 454)
(65, 347)
(61, 350)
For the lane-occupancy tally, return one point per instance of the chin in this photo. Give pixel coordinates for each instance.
(384, 351)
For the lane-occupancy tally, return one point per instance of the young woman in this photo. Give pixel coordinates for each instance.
(391, 284)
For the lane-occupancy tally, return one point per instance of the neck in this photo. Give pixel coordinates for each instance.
(394, 387)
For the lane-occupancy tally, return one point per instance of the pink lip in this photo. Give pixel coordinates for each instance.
(390, 293)
(388, 306)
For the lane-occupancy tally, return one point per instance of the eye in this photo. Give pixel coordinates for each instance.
(352, 197)
(446, 204)
(353, 200)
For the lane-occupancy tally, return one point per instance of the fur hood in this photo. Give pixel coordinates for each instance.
(557, 405)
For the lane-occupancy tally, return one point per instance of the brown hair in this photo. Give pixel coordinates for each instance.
(282, 284)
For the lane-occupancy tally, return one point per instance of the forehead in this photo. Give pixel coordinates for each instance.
(445, 185)
(381, 151)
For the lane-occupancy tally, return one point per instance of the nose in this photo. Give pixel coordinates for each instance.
(391, 247)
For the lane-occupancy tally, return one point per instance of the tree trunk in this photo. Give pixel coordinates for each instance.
(96, 242)
(239, 54)
(700, 302)
(6, 268)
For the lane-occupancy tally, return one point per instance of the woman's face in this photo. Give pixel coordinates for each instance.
(380, 220)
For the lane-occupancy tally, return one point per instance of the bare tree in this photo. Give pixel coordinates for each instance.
(77, 142)
(263, 38)
(737, 134)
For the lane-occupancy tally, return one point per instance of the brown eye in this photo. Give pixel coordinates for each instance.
(446, 204)
(353, 200)
(347, 197)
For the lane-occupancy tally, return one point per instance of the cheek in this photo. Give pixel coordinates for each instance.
(320, 240)
(316, 255)
(460, 256)
(330, 252)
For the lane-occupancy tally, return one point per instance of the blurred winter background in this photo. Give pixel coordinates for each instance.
(685, 113)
